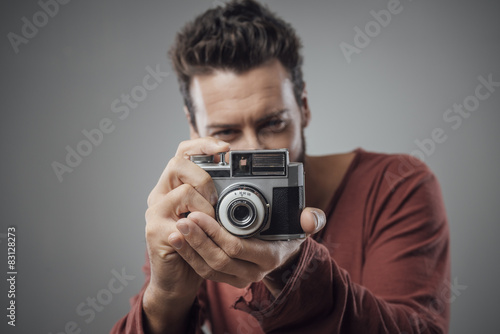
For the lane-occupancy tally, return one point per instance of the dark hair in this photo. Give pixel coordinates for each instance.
(239, 36)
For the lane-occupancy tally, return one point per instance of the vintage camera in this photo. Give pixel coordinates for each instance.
(261, 193)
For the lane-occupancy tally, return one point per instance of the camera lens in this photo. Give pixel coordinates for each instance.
(241, 212)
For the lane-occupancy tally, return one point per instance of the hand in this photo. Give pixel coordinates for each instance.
(182, 187)
(217, 255)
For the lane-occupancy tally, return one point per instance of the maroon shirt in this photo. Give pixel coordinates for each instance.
(380, 265)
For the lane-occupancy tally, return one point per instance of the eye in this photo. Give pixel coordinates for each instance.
(274, 125)
(226, 135)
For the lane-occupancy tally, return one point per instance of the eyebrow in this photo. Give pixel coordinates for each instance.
(259, 120)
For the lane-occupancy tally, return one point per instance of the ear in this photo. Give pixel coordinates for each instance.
(193, 132)
(305, 111)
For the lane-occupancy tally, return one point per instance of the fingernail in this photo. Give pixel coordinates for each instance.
(318, 221)
(175, 241)
(183, 228)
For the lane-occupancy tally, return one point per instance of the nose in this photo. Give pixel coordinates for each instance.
(250, 141)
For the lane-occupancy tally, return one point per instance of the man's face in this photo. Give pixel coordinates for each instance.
(253, 110)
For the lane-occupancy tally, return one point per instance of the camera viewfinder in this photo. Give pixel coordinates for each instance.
(241, 164)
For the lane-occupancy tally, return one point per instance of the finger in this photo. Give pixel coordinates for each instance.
(213, 255)
(179, 201)
(197, 262)
(205, 145)
(266, 254)
(181, 171)
(312, 220)
(176, 240)
(220, 236)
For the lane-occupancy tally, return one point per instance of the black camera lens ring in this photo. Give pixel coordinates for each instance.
(248, 216)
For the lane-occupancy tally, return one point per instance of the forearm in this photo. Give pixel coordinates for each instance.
(164, 315)
(335, 304)
(276, 280)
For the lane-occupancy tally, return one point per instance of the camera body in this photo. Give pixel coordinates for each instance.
(261, 194)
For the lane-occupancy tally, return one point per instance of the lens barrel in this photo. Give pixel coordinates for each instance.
(242, 210)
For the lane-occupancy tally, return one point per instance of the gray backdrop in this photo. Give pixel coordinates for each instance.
(70, 70)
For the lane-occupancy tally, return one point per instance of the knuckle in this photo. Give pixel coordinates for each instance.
(196, 243)
(149, 215)
(208, 274)
(151, 199)
(185, 190)
(174, 165)
(174, 162)
(234, 250)
(221, 264)
(173, 169)
(206, 179)
(163, 254)
(182, 147)
(149, 232)
(182, 194)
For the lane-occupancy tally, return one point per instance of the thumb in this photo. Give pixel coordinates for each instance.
(312, 220)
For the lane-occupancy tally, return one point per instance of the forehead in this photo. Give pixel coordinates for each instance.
(261, 90)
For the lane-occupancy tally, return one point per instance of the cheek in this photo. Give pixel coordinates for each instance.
(295, 144)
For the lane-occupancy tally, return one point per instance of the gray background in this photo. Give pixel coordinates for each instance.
(72, 234)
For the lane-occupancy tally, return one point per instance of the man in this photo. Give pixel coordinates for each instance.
(376, 262)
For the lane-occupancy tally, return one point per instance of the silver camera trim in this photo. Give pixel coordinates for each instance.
(243, 192)
(263, 180)
(283, 237)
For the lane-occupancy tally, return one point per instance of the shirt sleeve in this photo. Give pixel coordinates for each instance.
(133, 321)
(404, 285)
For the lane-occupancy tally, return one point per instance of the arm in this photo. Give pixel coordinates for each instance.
(403, 287)
(184, 251)
(137, 321)
(166, 303)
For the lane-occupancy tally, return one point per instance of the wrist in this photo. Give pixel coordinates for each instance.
(164, 313)
(276, 280)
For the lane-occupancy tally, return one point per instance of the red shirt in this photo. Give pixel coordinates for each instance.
(380, 265)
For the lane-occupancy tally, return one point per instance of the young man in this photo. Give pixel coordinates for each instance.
(376, 258)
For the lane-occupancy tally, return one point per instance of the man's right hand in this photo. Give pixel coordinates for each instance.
(182, 187)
